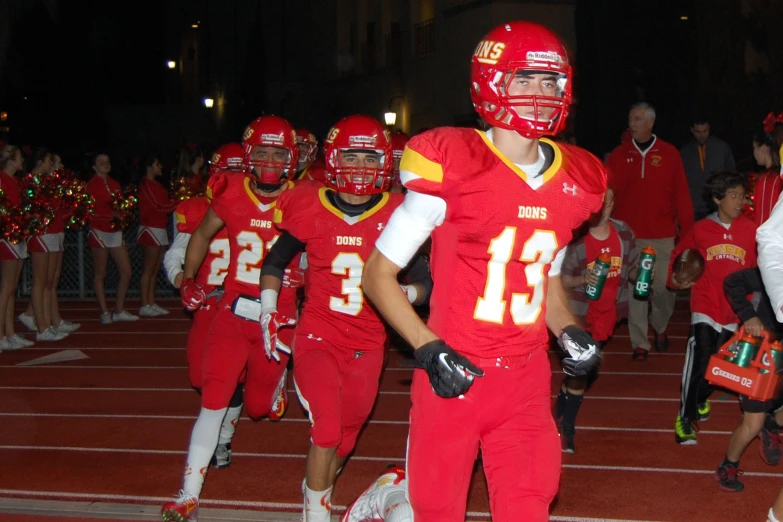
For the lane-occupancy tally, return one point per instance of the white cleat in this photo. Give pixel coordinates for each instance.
(369, 507)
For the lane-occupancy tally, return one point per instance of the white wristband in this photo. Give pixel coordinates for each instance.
(268, 301)
(410, 293)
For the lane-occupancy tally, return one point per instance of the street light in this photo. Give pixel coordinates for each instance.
(209, 103)
(171, 64)
(390, 116)
(194, 26)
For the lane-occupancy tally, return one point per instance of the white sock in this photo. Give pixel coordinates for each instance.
(771, 516)
(203, 442)
(396, 508)
(318, 505)
(229, 425)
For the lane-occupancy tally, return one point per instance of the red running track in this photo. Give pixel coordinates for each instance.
(114, 427)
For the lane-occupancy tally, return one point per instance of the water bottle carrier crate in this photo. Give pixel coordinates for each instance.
(746, 381)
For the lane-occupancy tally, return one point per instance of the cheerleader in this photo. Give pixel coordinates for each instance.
(104, 240)
(11, 255)
(154, 206)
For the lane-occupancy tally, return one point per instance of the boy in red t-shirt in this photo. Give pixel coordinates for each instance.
(727, 241)
(605, 236)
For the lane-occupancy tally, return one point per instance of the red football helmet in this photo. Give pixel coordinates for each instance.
(227, 157)
(503, 54)
(358, 134)
(270, 131)
(399, 140)
(308, 147)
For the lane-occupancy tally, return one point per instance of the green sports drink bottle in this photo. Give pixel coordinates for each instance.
(601, 270)
(644, 278)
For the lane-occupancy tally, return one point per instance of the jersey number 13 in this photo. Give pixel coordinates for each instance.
(538, 251)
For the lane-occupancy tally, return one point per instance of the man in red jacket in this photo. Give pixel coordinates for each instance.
(652, 197)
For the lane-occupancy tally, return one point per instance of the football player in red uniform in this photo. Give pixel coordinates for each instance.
(210, 276)
(501, 206)
(399, 140)
(310, 167)
(244, 205)
(340, 338)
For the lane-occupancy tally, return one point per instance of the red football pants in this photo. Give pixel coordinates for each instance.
(508, 412)
(338, 388)
(197, 340)
(234, 344)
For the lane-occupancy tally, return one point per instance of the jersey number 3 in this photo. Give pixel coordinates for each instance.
(351, 265)
(538, 251)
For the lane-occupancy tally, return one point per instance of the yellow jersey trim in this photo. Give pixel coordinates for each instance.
(420, 166)
(548, 174)
(339, 213)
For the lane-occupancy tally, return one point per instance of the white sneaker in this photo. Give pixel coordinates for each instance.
(7, 344)
(160, 309)
(106, 318)
(18, 339)
(50, 334)
(67, 326)
(370, 505)
(148, 311)
(123, 316)
(28, 321)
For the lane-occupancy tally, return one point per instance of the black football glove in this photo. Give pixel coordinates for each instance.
(581, 349)
(451, 374)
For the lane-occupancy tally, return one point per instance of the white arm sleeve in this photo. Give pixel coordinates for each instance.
(557, 263)
(175, 256)
(410, 226)
(770, 247)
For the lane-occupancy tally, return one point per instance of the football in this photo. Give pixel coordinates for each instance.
(689, 266)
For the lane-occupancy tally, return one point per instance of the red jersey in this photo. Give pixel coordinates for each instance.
(251, 234)
(602, 314)
(651, 190)
(500, 236)
(213, 270)
(337, 248)
(316, 171)
(101, 191)
(765, 195)
(154, 204)
(725, 250)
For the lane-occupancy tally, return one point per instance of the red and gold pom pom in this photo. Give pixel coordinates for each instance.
(181, 189)
(124, 204)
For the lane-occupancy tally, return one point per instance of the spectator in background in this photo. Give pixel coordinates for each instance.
(652, 197)
(154, 206)
(703, 156)
(191, 161)
(766, 152)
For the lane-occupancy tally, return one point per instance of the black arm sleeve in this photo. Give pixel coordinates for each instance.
(418, 272)
(737, 286)
(283, 251)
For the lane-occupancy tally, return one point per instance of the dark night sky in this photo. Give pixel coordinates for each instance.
(70, 69)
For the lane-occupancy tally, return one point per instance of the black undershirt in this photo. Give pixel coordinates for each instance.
(643, 146)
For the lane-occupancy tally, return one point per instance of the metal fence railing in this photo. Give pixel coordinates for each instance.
(77, 272)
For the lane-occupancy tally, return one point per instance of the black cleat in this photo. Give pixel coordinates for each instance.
(639, 354)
